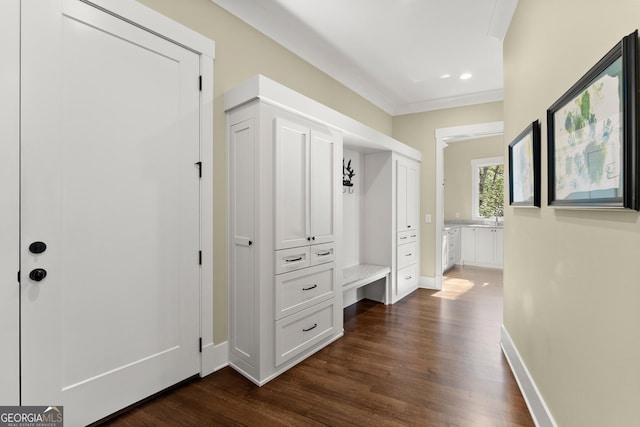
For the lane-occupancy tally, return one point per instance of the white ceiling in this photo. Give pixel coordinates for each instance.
(393, 52)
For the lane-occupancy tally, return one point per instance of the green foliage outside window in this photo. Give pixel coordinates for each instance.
(491, 191)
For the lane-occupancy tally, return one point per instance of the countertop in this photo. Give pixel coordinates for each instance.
(472, 224)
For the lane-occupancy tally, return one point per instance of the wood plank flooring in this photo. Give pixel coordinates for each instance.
(433, 359)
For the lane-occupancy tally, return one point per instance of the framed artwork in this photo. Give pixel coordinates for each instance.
(524, 168)
(592, 135)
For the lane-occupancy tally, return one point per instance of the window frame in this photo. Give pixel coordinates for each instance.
(475, 182)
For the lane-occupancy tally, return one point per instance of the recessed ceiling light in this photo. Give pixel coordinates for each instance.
(445, 76)
(465, 76)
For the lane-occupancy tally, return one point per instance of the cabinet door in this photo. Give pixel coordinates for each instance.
(485, 245)
(292, 202)
(407, 195)
(499, 246)
(468, 245)
(323, 182)
(401, 196)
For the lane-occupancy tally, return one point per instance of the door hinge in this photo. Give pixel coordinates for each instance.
(200, 257)
(18, 276)
(199, 164)
(200, 83)
(200, 344)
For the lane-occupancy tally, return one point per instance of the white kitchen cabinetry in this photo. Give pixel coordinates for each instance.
(283, 251)
(482, 246)
(450, 248)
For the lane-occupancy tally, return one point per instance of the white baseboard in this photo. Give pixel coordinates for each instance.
(214, 358)
(537, 407)
(427, 282)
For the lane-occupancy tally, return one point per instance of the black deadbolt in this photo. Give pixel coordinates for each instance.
(38, 274)
(37, 247)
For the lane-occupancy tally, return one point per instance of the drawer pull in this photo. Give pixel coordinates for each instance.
(404, 238)
(293, 259)
(409, 254)
(315, 325)
(323, 253)
(413, 235)
(408, 278)
(309, 288)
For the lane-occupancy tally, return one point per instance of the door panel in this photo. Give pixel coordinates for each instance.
(9, 197)
(109, 184)
(323, 177)
(292, 184)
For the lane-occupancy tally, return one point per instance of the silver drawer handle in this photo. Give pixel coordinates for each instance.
(309, 288)
(409, 254)
(323, 253)
(413, 235)
(407, 278)
(293, 259)
(315, 325)
(404, 238)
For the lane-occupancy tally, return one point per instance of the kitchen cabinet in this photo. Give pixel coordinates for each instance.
(283, 252)
(482, 246)
(451, 248)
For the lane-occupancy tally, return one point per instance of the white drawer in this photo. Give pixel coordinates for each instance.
(406, 255)
(407, 236)
(322, 254)
(292, 259)
(300, 289)
(407, 278)
(302, 330)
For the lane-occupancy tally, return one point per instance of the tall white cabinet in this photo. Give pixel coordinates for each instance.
(391, 223)
(284, 182)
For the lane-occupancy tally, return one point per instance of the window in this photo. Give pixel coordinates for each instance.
(487, 191)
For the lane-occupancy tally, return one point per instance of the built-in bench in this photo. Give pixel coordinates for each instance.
(364, 274)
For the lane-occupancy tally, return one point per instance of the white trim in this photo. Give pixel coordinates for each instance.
(9, 201)
(142, 16)
(449, 102)
(537, 407)
(354, 132)
(475, 194)
(214, 358)
(427, 282)
(443, 137)
(206, 208)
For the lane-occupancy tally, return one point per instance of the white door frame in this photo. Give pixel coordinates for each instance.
(9, 160)
(9, 202)
(444, 136)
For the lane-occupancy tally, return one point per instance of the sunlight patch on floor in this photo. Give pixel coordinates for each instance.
(454, 288)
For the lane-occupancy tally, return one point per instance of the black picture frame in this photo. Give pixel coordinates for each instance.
(524, 168)
(592, 135)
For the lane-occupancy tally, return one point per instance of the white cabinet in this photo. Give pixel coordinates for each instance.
(407, 213)
(450, 248)
(284, 260)
(305, 180)
(482, 246)
(407, 194)
(391, 228)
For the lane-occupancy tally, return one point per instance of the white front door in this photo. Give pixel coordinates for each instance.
(109, 142)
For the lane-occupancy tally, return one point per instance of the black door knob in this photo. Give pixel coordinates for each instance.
(38, 274)
(37, 247)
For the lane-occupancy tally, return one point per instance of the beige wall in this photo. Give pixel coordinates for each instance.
(418, 130)
(242, 52)
(457, 173)
(571, 278)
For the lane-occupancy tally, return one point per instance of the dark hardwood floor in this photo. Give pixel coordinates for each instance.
(433, 359)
